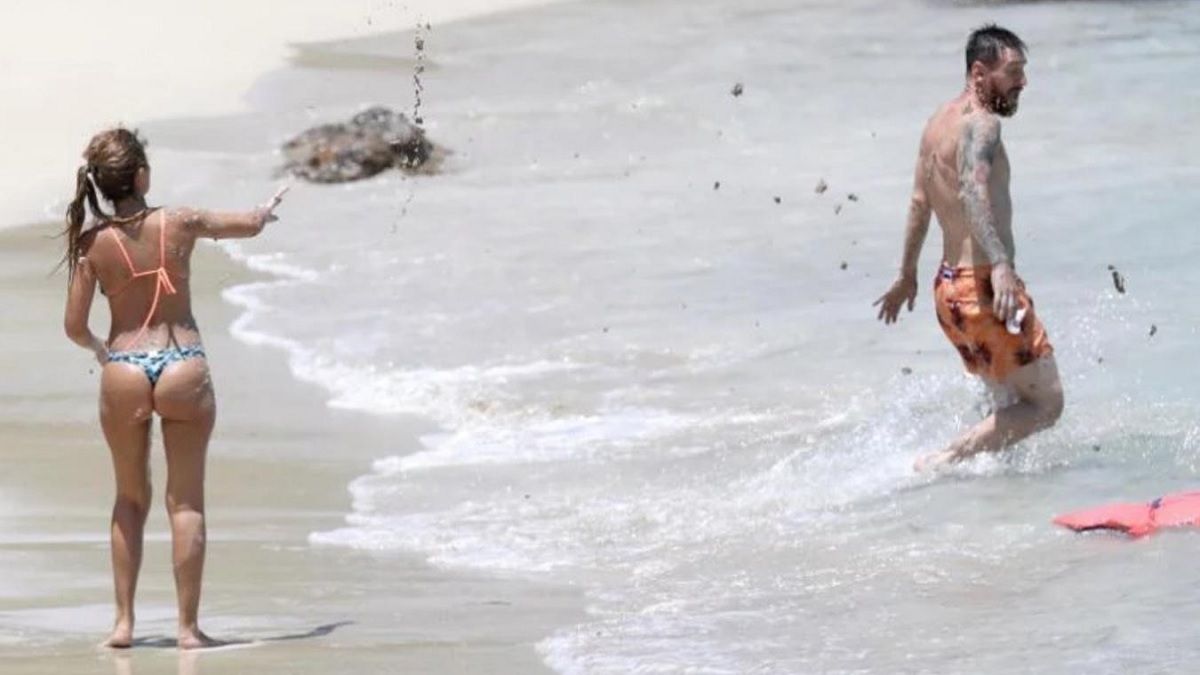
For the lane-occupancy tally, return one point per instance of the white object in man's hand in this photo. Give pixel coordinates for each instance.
(1004, 290)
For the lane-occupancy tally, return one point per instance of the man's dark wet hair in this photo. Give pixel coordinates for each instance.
(987, 43)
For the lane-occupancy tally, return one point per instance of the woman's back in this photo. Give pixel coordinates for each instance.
(143, 268)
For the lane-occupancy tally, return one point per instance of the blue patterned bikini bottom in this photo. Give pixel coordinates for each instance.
(153, 363)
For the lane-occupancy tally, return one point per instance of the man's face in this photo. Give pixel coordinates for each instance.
(1000, 87)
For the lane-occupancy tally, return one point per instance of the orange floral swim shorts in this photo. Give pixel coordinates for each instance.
(963, 298)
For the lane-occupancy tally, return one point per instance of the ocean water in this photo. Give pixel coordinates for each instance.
(649, 346)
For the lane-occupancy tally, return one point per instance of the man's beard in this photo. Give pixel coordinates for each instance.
(1000, 104)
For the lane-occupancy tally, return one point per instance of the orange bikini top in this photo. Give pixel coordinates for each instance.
(162, 280)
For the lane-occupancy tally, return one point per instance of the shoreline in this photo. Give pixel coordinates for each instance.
(280, 462)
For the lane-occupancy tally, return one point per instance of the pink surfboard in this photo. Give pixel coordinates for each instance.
(1181, 509)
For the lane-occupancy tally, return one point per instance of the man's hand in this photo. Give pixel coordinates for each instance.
(1004, 291)
(903, 290)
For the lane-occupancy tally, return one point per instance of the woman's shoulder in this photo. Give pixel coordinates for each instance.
(88, 237)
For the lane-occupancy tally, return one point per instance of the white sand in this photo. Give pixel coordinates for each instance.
(72, 68)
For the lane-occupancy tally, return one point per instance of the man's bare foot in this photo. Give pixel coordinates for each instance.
(122, 636)
(196, 639)
(934, 461)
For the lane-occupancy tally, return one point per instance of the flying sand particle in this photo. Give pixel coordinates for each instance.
(1118, 280)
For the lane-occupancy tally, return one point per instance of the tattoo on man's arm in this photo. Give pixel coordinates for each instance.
(980, 141)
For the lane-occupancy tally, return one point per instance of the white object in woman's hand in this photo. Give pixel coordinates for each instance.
(268, 209)
(278, 196)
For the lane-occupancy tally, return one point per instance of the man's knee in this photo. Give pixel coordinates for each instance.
(1050, 406)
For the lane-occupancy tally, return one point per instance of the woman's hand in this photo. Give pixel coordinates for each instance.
(267, 211)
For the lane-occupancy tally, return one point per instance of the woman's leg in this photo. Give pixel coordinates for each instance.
(126, 405)
(184, 399)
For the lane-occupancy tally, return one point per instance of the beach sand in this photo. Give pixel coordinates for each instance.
(73, 68)
(315, 609)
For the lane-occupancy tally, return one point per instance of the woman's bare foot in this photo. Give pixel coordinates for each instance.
(121, 637)
(196, 639)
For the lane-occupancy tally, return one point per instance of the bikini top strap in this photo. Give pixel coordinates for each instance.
(124, 251)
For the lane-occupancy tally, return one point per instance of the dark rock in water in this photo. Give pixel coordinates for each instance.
(374, 140)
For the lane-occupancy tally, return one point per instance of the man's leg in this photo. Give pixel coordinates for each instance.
(1039, 404)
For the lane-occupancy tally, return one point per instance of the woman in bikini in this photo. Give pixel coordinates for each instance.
(153, 360)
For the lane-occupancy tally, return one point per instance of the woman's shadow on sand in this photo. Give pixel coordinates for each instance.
(163, 642)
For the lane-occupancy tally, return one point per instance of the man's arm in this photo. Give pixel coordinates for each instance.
(905, 287)
(977, 151)
(918, 221)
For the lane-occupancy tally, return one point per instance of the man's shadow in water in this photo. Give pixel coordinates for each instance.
(162, 642)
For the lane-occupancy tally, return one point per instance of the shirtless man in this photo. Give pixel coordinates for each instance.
(962, 176)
